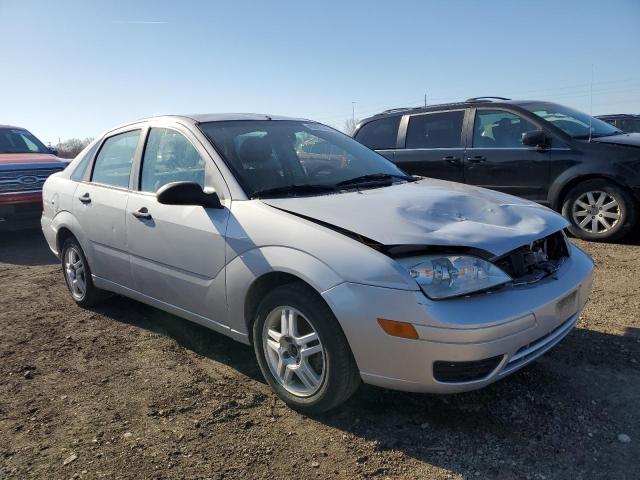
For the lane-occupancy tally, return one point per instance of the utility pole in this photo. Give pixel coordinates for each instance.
(425, 100)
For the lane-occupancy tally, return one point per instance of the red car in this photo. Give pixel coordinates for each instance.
(25, 163)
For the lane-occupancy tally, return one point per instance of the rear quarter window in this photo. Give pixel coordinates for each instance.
(81, 167)
(379, 134)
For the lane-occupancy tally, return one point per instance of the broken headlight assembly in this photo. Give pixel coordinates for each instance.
(445, 276)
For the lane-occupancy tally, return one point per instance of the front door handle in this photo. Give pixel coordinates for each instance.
(452, 159)
(86, 198)
(142, 214)
(477, 159)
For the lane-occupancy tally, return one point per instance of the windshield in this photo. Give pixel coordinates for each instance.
(303, 157)
(570, 121)
(16, 140)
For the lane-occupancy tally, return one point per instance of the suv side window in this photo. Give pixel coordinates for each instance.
(499, 129)
(113, 163)
(629, 125)
(379, 134)
(435, 130)
(169, 157)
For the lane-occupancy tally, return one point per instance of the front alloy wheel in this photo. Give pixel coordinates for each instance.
(294, 351)
(302, 351)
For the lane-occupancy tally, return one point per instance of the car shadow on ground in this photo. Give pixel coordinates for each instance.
(558, 417)
(25, 247)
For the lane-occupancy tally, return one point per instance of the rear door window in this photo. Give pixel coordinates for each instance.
(113, 163)
(379, 134)
(435, 130)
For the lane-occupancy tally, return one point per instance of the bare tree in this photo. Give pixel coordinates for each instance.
(72, 147)
(350, 125)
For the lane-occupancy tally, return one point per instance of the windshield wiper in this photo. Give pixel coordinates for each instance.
(306, 188)
(374, 178)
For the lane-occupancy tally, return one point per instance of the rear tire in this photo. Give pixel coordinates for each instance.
(302, 351)
(77, 275)
(599, 210)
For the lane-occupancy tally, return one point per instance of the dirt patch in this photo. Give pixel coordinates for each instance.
(127, 391)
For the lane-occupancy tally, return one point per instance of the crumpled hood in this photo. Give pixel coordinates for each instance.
(628, 139)
(431, 212)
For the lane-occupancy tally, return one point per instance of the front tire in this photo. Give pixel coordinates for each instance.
(77, 275)
(302, 351)
(599, 210)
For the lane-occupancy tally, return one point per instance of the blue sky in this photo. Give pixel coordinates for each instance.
(76, 68)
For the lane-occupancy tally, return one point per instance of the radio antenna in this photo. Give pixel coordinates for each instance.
(591, 104)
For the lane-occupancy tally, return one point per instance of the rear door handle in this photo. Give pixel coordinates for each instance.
(452, 159)
(86, 198)
(477, 159)
(142, 214)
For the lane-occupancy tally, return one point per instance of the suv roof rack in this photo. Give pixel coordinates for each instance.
(482, 99)
(400, 109)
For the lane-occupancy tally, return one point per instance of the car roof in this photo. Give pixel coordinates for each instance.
(470, 102)
(209, 117)
(12, 126)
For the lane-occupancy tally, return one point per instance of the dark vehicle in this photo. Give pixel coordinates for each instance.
(25, 163)
(573, 163)
(628, 123)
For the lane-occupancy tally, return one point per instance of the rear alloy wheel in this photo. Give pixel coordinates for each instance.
(302, 351)
(599, 210)
(596, 212)
(77, 275)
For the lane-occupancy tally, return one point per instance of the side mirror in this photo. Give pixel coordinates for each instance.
(187, 193)
(535, 138)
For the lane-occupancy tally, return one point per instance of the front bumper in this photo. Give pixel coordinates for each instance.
(18, 211)
(516, 324)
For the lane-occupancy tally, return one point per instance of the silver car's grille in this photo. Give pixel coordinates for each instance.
(533, 350)
(25, 180)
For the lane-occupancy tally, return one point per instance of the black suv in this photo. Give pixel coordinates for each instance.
(579, 165)
(626, 122)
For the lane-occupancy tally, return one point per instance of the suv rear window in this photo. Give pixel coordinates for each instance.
(379, 134)
(435, 130)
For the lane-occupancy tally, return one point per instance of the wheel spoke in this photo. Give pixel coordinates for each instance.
(584, 222)
(276, 336)
(307, 376)
(612, 215)
(306, 339)
(590, 198)
(287, 375)
(582, 204)
(594, 225)
(581, 213)
(604, 223)
(273, 345)
(601, 198)
(610, 205)
(308, 351)
(284, 322)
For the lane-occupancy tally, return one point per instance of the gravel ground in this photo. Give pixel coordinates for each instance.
(127, 391)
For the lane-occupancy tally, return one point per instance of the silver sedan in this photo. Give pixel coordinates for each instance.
(333, 263)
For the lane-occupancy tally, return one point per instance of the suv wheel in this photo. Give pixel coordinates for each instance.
(77, 275)
(599, 210)
(301, 350)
